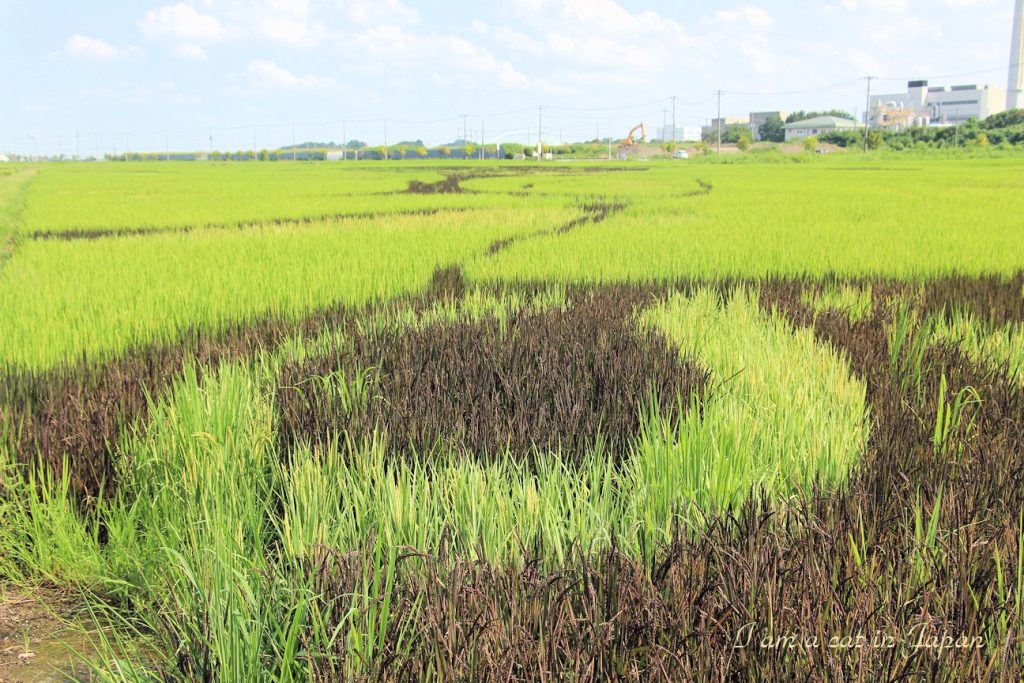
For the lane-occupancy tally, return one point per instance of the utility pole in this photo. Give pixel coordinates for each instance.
(673, 122)
(210, 132)
(867, 113)
(719, 126)
(540, 131)
(664, 122)
(482, 155)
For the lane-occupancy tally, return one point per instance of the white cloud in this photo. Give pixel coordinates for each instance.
(446, 59)
(763, 60)
(288, 22)
(601, 50)
(266, 75)
(189, 51)
(888, 6)
(749, 14)
(292, 31)
(863, 62)
(380, 11)
(84, 47)
(517, 41)
(181, 21)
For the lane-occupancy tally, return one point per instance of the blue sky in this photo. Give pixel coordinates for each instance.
(157, 73)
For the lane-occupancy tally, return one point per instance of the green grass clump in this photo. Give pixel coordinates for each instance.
(1000, 347)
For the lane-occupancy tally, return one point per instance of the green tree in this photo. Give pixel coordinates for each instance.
(772, 130)
(1004, 119)
(804, 115)
(743, 142)
(811, 144)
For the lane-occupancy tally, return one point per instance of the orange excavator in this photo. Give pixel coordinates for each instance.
(630, 140)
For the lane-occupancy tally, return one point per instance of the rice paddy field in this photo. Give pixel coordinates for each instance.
(515, 421)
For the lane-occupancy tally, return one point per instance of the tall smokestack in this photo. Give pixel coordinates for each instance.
(1015, 87)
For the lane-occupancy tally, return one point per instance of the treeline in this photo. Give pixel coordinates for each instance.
(511, 150)
(1005, 129)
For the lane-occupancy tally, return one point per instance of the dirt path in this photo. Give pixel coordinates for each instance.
(33, 640)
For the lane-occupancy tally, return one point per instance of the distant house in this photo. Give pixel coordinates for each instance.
(3, 159)
(819, 125)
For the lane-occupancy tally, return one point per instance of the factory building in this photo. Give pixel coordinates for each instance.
(924, 105)
(682, 133)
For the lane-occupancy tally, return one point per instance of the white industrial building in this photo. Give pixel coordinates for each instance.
(819, 125)
(924, 105)
(682, 133)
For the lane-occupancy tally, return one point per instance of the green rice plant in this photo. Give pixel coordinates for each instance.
(480, 512)
(863, 220)
(783, 415)
(927, 553)
(909, 339)
(13, 188)
(1001, 347)
(853, 300)
(43, 537)
(87, 301)
(955, 419)
(85, 199)
(477, 304)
